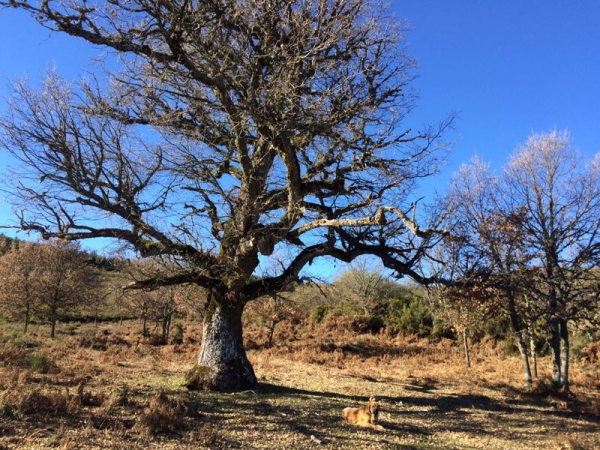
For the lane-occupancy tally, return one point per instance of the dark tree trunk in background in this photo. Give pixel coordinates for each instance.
(144, 325)
(466, 347)
(27, 313)
(222, 363)
(166, 326)
(271, 333)
(52, 327)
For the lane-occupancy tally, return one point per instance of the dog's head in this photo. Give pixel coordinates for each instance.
(373, 409)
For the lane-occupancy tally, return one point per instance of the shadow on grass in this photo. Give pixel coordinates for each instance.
(467, 413)
(441, 403)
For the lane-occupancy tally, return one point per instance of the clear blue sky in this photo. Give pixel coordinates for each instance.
(508, 68)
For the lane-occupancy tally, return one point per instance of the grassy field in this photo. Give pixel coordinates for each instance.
(106, 387)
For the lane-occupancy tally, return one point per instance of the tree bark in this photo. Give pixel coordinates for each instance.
(222, 363)
(556, 375)
(166, 327)
(564, 354)
(518, 329)
(53, 327)
(533, 356)
(524, 357)
(271, 333)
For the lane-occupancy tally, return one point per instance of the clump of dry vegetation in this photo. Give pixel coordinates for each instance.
(161, 415)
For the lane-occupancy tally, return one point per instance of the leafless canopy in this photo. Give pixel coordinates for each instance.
(232, 128)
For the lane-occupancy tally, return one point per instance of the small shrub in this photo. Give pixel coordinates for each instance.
(92, 339)
(7, 411)
(160, 416)
(409, 315)
(318, 313)
(40, 363)
(156, 340)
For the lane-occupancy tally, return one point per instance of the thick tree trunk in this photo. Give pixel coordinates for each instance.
(564, 354)
(222, 364)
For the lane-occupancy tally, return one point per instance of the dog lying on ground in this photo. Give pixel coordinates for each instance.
(367, 416)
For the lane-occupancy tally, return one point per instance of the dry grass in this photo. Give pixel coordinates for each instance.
(109, 388)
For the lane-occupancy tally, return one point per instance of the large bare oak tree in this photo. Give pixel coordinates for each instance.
(232, 128)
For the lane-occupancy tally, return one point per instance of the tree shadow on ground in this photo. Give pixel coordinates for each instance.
(467, 413)
(440, 402)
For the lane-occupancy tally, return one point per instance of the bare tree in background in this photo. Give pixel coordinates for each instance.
(530, 238)
(557, 194)
(364, 284)
(233, 128)
(490, 257)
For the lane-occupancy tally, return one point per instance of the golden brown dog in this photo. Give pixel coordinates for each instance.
(367, 416)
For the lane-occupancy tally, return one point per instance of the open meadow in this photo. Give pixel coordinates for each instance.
(107, 387)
